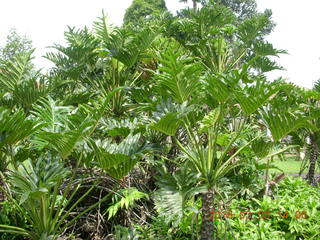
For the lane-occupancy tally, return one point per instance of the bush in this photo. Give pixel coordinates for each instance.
(9, 215)
(291, 213)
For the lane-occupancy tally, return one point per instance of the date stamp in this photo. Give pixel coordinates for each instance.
(227, 214)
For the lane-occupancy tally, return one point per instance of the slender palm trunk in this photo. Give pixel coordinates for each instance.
(266, 179)
(207, 227)
(313, 159)
(298, 154)
(2, 193)
(194, 5)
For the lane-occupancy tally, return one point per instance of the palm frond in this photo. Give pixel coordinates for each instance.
(15, 72)
(126, 199)
(119, 159)
(179, 74)
(251, 98)
(282, 123)
(16, 127)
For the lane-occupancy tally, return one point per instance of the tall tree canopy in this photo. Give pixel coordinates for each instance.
(15, 44)
(142, 9)
(243, 8)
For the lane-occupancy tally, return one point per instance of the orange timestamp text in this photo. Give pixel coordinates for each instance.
(224, 214)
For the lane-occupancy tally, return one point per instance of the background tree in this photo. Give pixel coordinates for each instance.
(194, 3)
(15, 44)
(140, 10)
(243, 8)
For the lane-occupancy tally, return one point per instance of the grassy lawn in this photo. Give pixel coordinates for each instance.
(289, 166)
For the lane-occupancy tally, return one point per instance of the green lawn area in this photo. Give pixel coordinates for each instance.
(289, 166)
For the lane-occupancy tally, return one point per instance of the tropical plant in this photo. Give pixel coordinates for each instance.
(290, 214)
(178, 108)
(37, 194)
(126, 199)
(233, 95)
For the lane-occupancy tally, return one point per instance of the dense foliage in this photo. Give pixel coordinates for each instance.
(146, 132)
(15, 44)
(141, 10)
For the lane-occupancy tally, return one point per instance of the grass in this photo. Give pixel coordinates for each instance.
(289, 166)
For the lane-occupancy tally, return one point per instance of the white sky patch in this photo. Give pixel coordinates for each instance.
(297, 31)
(44, 22)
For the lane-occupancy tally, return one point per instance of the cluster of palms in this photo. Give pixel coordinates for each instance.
(189, 97)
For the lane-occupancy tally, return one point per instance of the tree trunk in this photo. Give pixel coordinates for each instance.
(2, 194)
(313, 159)
(207, 227)
(194, 5)
(298, 154)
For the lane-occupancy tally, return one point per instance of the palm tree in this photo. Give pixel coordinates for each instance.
(299, 100)
(312, 98)
(231, 99)
(216, 94)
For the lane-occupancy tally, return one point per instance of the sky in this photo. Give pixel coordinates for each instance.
(44, 22)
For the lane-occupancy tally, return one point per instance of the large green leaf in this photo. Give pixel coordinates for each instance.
(16, 127)
(179, 75)
(54, 116)
(222, 86)
(267, 149)
(29, 91)
(175, 191)
(118, 159)
(63, 142)
(15, 72)
(251, 98)
(282, 123)
(168, 124)
(210, 119)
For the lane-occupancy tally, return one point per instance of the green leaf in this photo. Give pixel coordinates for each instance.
(251, 98)
(168, 124)
(179, 75)
(128, 197)
(16, 127)
(282, 123)
(221, 87)
(210, 119)
(15, 71)
(119, 159)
